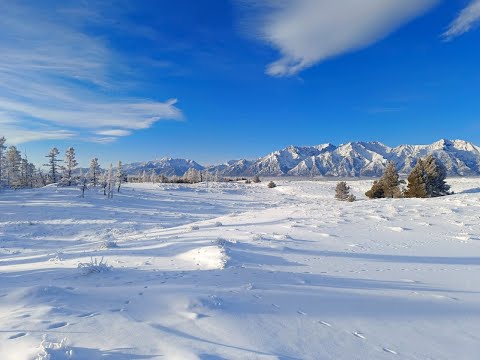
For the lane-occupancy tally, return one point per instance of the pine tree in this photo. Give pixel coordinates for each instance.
(387, 186)
(70, 165)
(418, 181)
(390, 181)
(144, 177)
(94, 171)
(271, 185)
(342, 191)
(52, 164)
(436, 173)
(376, 192)
(120, 175)
(153, 176)
(256, 179)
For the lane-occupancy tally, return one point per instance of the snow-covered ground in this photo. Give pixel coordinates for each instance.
(236, 271)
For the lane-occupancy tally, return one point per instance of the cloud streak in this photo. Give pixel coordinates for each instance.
(464, 22)
(307, 32)
(57, 74)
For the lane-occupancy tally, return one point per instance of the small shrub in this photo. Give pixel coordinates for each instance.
(194, 227)
(351, 198)
(248, 181)
(94, 266)
(271, 185)
(256, 179)
(218, 224)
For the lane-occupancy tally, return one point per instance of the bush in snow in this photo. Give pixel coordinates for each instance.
(271, 185)
(94, 266)
(218, 224)
(256, 179)
(194, 227)
(427, 179)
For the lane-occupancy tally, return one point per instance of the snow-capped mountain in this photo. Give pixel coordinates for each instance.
(164, 166)
(353, 159)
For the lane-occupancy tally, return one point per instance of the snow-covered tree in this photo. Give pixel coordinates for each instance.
(94, 171)
(69, 167)
(52, 164)
(342, 192)
(387, 186)
(417, 181)
(144, 177)
(2, 159)
(153, 176)
(13, 161)
(256, 179)
(119, 175)
(104, 182)
(110, 182)
(436, 173)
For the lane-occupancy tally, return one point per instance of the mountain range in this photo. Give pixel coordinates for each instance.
(353, 159)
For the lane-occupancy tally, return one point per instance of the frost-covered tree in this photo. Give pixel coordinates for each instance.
(192, 176)
(144, 177)
(256, 179)
(2, 159)
(417, 181)
(52, 164)
(13, 162)
(69, 167)
(119, 175)
(110, 182)
(271, 185)
(83, 181)
(342, 192)
(104, 182)
(387, 186)
(436, 173)
(94, 172)
(153, 176)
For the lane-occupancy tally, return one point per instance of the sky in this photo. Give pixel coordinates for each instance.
(216, 80)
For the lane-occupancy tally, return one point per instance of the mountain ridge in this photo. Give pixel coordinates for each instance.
(352, 159)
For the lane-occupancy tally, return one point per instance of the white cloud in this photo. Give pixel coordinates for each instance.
(114, 132)
(54, 73)
(465, 21)
(307, 32)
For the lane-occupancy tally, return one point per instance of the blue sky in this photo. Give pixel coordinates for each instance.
(214, 80)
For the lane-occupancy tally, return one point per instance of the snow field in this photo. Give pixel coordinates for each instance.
(234, 271)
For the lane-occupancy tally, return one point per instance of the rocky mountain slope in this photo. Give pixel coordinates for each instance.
(353, 159)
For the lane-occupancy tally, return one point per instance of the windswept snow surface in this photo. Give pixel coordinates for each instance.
(236, 271)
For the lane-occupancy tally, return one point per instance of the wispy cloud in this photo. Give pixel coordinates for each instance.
(307, 32)
(57, 74)
(465, 21)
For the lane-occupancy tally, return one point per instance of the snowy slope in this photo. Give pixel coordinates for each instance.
(235, 271)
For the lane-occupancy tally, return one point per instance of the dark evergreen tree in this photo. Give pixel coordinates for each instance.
(418, 181)
(390, 181)
(436, 173)
(376, 192)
